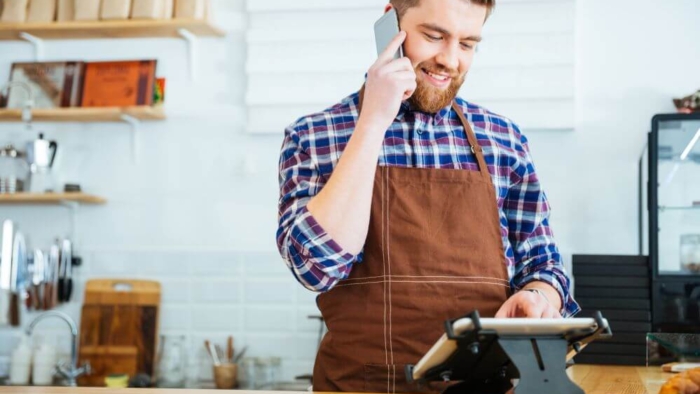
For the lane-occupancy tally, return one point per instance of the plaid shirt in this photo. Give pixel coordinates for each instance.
(312, 148)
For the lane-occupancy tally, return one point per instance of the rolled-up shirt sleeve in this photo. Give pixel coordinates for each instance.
(314, 258)
(536, 254)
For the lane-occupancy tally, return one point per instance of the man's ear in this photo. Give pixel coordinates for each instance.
(388, 7)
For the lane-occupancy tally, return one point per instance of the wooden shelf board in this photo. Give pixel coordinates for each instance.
(50, 198)
(90, 114)
(109, 29)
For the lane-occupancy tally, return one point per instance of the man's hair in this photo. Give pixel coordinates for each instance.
(403, 5)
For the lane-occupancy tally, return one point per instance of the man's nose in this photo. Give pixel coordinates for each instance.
(448, 57)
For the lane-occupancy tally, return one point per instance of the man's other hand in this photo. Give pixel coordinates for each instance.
(527, 304)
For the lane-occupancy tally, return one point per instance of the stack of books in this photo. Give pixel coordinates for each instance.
(86, 84)
(619, 287)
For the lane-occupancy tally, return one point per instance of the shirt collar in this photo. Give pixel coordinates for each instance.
(406, 107)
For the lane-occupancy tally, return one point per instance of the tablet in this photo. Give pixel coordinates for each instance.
(566, 328)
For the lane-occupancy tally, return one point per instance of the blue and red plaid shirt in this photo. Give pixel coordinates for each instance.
(312, 148)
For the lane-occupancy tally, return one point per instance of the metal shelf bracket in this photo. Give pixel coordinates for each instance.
(191, 40)
(37, 42)
(134, 124)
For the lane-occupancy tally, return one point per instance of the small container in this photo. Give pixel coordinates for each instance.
(191, 9)
(21, 363)
(246, 372)
(267, 371)
(168, 9)
(690, 253)
(115, 9)
(226, 376)
(14, 171)
(65, 10)
(117, 381)
(41, 11)
(172, 360)
(44, 365)
(87, 10)
(14, 11)
(147, 9)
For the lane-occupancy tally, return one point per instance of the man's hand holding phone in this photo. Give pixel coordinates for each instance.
(389, 82)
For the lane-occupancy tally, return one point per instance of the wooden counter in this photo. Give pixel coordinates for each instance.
(593, 379)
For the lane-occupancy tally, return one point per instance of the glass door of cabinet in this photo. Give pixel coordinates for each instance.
(674, 195)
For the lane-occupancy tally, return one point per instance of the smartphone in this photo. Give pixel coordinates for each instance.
(385, 29)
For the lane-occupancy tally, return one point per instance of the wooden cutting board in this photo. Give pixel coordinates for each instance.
(119, 328)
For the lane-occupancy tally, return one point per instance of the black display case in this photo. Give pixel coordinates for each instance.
(670, 220)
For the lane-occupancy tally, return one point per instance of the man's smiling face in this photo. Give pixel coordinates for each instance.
(442, 36)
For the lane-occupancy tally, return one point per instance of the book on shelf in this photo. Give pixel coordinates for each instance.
(53, 84)
(119, 83)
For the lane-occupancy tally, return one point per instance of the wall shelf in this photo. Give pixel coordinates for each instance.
(109, 29)
(679, 208)
(90, 114)
(50, 198)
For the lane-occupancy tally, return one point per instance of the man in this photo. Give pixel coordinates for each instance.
(406, 206)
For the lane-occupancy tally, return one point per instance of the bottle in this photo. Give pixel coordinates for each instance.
(21, 363)
(44, 365)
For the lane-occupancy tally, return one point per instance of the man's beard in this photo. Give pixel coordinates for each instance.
(428, 98)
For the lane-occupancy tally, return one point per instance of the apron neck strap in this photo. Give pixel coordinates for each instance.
(473, 142)
(471, 137)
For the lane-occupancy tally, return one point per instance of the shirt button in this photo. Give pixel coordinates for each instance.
(419, 131)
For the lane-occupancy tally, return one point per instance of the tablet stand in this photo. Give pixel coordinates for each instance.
(485, 363)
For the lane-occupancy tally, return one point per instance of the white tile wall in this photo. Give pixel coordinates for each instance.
(198, 210)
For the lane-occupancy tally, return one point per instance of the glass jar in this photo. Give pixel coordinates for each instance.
(13, 170)
(246, 373)
(690, 253)
(172, 362)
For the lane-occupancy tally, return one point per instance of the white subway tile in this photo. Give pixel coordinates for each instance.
(306, 346)
(175, 291)
(216, 318)
(266, 265)
(175, 318)
(266, 319)
(280, 344)
(215, 263)
(306, 324)
(277, 292)
(216, 291)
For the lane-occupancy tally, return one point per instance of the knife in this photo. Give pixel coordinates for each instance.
(50, 277)
(35, 299)
(6, 271)
(19, 261)
(65, 281)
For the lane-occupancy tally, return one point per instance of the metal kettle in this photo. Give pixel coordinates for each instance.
(41, 154)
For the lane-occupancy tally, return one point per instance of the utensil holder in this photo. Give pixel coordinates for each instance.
(226, 376)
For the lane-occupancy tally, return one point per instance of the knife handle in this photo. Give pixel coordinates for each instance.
(29, 302)
(68, 289)
(14, 310)
(61, 288)
(48, 296)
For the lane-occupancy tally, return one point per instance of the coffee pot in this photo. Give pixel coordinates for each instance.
(41, 154)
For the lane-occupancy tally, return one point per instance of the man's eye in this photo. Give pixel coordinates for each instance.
(467, 46)
(432, 38)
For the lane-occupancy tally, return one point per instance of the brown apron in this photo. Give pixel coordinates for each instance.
(433, 252)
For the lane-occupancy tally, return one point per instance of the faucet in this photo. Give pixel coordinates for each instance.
(68, 372)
